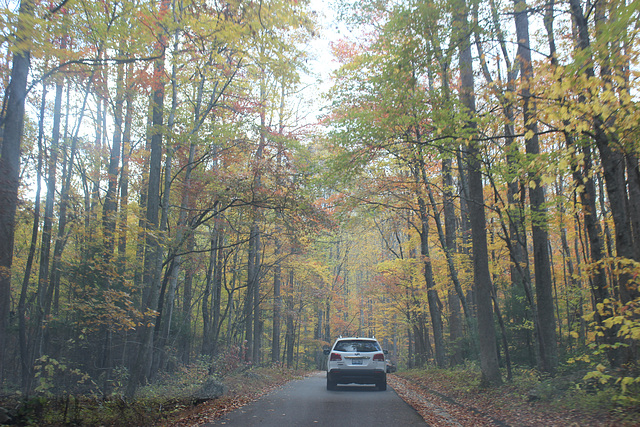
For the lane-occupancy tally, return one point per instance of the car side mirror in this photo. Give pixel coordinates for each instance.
(326, 351)
(385, 352)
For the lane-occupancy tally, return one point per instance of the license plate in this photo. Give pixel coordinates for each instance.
(356, 362)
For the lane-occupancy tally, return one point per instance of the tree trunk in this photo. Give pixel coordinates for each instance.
(184, 344)
(633, 182)
(91, 224)
(123, 225)
(207, 345)
(67, 174)
(277, 270)
(516, 195)
(290, 325)
(277, 307)
(410, 345)
(435, 309)
(613, 162)
(453, 297)
(213, 291)
(166, 298)
(13, 122)
(109, 212)
(482, 276)
(26, 362)
(583, 176)
(544, 290)
(217, 286)
(503, 330)
(252, 283)
(151, 280)
(447, 240)
(252, 302)
(110, 206)
(45, 287)
(138, 275)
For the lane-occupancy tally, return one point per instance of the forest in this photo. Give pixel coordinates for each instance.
(181, 185)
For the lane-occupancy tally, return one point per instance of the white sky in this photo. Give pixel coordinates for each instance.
(321, 61)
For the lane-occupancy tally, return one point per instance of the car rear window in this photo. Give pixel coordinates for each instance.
(359, 346)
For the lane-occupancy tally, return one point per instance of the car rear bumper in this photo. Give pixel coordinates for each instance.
(357, 376)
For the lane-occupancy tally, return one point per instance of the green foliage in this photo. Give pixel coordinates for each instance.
(623, 322)
(56, 378)
(586, 401)
(179, 384)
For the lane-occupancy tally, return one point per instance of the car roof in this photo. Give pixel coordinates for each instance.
(356, 338)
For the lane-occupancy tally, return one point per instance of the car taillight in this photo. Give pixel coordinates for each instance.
(379, 357)
(335, 356)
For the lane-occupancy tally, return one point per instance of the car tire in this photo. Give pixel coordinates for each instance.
(382, 385)
(331, 385)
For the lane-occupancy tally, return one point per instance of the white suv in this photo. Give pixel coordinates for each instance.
(356, 360)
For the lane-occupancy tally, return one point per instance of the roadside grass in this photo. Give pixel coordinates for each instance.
(181, 398)
(529, 398)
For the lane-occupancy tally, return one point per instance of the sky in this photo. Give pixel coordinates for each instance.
(321, 61)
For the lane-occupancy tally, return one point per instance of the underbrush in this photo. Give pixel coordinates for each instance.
(572, 392)
(169, 397)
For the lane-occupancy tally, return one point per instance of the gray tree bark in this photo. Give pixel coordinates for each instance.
(482, 277)
(544, 289)
(151, 280)
(435, 309)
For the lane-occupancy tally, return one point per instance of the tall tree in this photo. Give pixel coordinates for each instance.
(482, 277)
(12, 129)
(25, 347)
(435, 305)
(544, 287)
(152, 257)
(44, 284)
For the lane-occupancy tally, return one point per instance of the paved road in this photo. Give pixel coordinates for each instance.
(307, 402)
